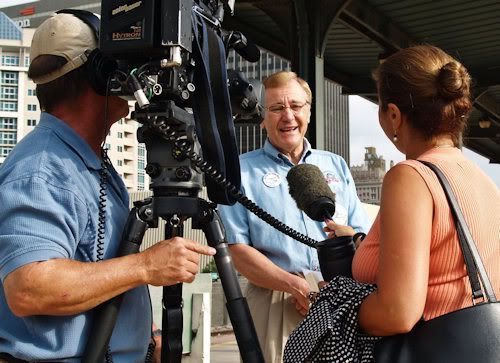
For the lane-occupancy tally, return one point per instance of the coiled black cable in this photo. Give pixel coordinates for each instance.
(151, 350)
(211, 172)
(101, 224)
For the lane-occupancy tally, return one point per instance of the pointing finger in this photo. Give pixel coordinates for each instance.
(204, 250)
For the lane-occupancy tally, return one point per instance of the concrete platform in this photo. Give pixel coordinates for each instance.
(224, 349)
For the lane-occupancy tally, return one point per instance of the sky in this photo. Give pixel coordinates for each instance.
(366, 131)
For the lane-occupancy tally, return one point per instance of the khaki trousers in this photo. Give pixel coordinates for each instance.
(274, 316)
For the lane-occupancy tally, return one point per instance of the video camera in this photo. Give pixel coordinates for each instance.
(171, 58)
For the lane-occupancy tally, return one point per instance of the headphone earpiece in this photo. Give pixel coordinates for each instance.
(98, 67)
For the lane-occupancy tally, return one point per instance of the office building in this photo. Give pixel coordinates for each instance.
(19, 110)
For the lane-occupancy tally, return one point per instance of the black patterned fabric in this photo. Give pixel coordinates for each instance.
(329, 333)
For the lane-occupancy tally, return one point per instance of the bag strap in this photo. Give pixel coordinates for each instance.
(212, 110)
(472, 258)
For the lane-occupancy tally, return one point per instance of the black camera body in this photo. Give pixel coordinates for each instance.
(171, 58)
(144, 30)
(155, 38)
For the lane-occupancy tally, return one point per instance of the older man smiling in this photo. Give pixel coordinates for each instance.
(272, 262)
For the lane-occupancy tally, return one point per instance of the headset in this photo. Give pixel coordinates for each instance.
(98, 67)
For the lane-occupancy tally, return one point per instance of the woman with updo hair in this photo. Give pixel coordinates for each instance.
(412, 251)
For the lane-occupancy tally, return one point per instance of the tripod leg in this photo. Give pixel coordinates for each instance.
(106, 313)
(172, 324)
(237, 307)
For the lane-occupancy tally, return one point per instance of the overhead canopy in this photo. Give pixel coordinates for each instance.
(351, 37)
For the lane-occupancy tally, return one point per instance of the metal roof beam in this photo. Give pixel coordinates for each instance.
(371, 23)
(351, 85)
(476, 132)
(480, 147)
(488, 105)
(486, 78)
(266, 40)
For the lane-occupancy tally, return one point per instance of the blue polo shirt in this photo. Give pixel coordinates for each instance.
(49, 192)
(263, 180)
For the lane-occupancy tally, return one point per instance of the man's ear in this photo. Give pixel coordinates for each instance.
(395, 116)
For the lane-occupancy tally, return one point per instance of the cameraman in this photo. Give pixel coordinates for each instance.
(50, 232)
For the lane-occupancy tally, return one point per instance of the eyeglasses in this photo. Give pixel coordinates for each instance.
(296, 108)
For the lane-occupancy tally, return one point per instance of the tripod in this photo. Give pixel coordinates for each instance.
(206, 218)
(175, 186)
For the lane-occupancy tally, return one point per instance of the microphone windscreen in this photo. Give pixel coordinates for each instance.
(308, 187)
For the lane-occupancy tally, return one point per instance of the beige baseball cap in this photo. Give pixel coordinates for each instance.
(66, 36)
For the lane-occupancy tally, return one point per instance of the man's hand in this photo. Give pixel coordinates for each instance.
(157, 340)
(300, 291)
(173, 261)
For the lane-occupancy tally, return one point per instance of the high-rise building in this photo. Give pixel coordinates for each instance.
(19, 110)
(368, 176)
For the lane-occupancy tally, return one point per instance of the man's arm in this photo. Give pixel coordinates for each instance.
(260, 271)
(66, 287)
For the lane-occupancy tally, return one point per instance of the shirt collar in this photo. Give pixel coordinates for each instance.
(274, 153)
(69, 136)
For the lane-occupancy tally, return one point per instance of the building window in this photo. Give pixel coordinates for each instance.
(8, 123)
(10, 60)
(8, 106)
(31, 107)
(26, 60)
(120, 135)
(119, 162)
(4, 151)
(9, 93)
(119, 149)
(31, 122)
(31, 92)
(10, 77)
(8, 138)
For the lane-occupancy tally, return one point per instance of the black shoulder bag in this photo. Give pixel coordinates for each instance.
(466, 335)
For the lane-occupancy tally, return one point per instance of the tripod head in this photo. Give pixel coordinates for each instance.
(171, 59)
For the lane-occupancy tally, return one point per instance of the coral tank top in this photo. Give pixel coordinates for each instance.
(479, 199)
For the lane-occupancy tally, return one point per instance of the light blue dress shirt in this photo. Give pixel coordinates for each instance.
(263, 180)
(49, 189)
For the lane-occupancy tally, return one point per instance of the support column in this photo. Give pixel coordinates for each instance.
(306, 62)
(309, 26)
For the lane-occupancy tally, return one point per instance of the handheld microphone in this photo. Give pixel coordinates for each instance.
(310, 191)
(312, 194)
